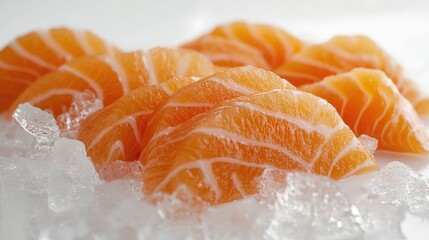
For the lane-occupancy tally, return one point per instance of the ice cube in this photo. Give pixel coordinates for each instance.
(12, 199)
(17, 142)
(72, 175)
(245, 219)
(370, 143)
(270, 183)
(378, 220)
(397, 184)
(181, 205)
(3, 125)
(121, 170)
(38, 123)
(109, 195)
(312, 207)
(123, 214)
(83, 105)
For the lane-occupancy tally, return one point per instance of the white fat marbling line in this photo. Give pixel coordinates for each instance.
(344, 98)
(117, 145)
(265, 45)
(147, 62)
(238, 184)
(285, 44)
(367, 164)
(179, 104)
(350, 56)
(110, 49)
(229, 32)
(93, 84)
(9, 67)
(327, 137)
(368, 100)
(352, 145)
(18, 49)
(316, 63)
(300, 123)
(57, 91)
(205, 163)
(184, 64)
(131, 120)
(82, 39)
(169, 129)
(119, 70)
(188, 104)
(224, 134)
(164, 87)
(231, 85)
(161, 133)
(52, 44)
(388, 101)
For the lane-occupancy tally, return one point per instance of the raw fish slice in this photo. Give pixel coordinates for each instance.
(370, 104)
(206, 93)
(114, 133)
(112, 76)
(342, 54)
(219, 154)
(38, 53)
(274, 44)
(225, 52)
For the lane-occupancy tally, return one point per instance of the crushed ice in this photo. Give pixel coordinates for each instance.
(121, 170)
(58, 195)
(38, 123)
(370, 143)
(397, 184)
(83, 104)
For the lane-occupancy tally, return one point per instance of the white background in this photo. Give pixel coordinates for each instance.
(401, 27)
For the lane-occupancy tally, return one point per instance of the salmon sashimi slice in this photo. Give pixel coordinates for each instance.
(225, 52)
(114, 133)
(206, 93)
(111, 76)
(342, 54)
(370, 104)
(33, 55)
(219, 154)
(275, 45)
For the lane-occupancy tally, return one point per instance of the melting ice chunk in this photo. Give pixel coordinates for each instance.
(72, 175)
(121, 170)
(38, 123)
(115, 211)
(4, 126)
(370, 143)
(379, 221)
(83, 105)
(399, 185)
(181, 205)
(311, 207)
(245, 219)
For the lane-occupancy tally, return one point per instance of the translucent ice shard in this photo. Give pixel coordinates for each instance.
(181, 205)
(378, 220)
(397, 184)
(13, 199)
(38, 123)
(83, 105)
(234, 220)
(121, 170)
(312, 207)
(370, 143)
(72, 175)
(4, 126)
